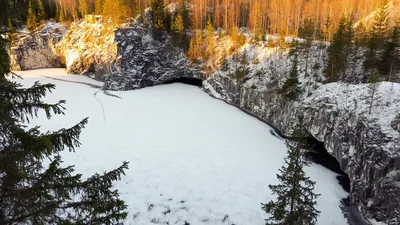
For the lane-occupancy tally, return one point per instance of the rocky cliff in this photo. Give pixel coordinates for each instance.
(89, 47)
(143, 61)
(85, 47)
(38, 50)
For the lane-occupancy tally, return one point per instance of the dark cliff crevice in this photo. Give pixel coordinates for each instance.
(186, 80)
(319, 155)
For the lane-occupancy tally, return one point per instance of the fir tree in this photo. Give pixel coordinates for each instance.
(40, 11)
(32, 190)
(339, 50)
(296, 199)
(31, 18)
(224, 62)
(210, 38)
(290, 89)
(389, 58)
(377, 37)
(60, 15)
(167, 21)
(361, 35)
(157, 9)
(191, 54)
(307, 30)
(178, 28)
(184, 11)
(199, 51)
(243, 70)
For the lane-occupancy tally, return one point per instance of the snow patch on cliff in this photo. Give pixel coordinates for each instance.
(356, 99)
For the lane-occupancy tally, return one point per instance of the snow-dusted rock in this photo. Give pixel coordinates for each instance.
(37, 50)
(86, 47)
(143, 61)
(89, 47)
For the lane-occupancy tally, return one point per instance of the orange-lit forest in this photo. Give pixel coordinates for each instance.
(273, 16)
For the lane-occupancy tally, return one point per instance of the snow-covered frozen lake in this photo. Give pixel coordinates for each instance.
(193, 159)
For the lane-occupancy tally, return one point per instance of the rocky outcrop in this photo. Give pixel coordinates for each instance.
(85, 47)
(38, 50)
(143, 61)
(89, 47)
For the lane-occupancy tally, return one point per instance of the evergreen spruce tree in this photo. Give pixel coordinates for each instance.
(199, 51)
(389, 59)
(361, 35)
(376, 39)
(157, 9)
(296, 200)
(35, 187)
(192, 51)
(41, 14)
(307, 30)
(31, 17)
(224, 62)
(339, 50)
(60, 15)
(184, 11)
(210, 38)
(290, 89)
(243, 70)
(178, 28)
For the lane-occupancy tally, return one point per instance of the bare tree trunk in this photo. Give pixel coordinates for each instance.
(372, 97)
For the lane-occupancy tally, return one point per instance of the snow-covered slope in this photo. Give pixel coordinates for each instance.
(193, 159)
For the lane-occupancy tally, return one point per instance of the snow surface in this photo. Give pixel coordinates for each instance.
(192, 158)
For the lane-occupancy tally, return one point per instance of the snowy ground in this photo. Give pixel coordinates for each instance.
(193, 159)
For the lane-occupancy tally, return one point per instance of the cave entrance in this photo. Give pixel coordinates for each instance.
(186, 80)
(318, 154)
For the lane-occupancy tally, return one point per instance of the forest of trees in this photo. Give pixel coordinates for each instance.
(284, 17)
(356, 29)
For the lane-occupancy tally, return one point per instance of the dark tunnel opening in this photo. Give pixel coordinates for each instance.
(186, 80)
